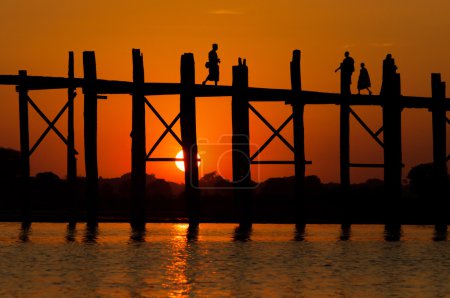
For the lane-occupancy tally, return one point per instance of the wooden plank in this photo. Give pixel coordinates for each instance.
(366, 165)
(9, 79)
(253, 93)
(278, 162)
(42, 82)
(165, 159)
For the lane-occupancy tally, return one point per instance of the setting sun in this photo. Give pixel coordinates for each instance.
(180, 163)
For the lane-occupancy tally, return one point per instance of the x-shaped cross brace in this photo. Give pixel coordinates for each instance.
(51, 124)
(167, 126)
(276, 132)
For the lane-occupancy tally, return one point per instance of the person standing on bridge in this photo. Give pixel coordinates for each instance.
(213, 65)
(347, 68)
(364, 79)
(389, 74)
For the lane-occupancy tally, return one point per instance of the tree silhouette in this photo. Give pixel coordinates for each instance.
(9, 163)
(421, 178)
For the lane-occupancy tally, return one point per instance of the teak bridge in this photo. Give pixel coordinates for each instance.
(391, 102)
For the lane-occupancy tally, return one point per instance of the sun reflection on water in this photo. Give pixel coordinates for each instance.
(176, 280)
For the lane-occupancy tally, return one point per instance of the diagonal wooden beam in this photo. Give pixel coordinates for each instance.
(380, 130)
(276, 132)
(162, 120)
(364, 125)
(51, 124)
(271, 138)
(163, 135)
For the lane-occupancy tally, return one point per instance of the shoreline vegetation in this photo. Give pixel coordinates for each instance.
(271, 201)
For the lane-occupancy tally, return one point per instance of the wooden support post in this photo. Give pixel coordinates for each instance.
(24, 149)
(299, 138)
(392, 124)
(189, 136)
(440, 174)
(90, 137)
(344, 146)
(240, 146)
(71, 159)
(138, 150)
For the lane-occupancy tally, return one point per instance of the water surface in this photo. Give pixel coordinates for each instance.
(170, 260)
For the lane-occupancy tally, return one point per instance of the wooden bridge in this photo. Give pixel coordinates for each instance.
(392, 104)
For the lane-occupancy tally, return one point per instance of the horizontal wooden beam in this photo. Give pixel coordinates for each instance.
(41, 83)
(254, 94)
(277, 162)
(9, 80)
(166, 159)
(368, 165)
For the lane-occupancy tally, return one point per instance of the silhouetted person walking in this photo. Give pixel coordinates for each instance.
(213, 65)
(389, 74)
(347, 68)
(363, 79)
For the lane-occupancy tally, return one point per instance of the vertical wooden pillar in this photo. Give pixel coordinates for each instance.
(299, 137)
(344, 147)
(440, 174)
(24, 148)
(392, 150)
(240, 143)
(189, 135)
(90, 137)
(71, 159)
(138, 154)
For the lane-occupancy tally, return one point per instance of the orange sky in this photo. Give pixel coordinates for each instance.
(37, 35)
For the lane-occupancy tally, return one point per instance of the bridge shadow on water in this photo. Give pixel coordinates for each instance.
(346, 232)
(25, 231)
(71, 233)
(393, 233)
(299, 233)
(440, 235)
(137, 235)
(242, 233)
(192, 232)
(91, 234)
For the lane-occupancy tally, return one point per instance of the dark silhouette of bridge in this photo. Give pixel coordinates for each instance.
(391, 102)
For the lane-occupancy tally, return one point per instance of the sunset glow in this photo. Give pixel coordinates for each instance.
(224, 148)
(37, 36)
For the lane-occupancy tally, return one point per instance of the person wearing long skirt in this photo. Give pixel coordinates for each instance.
(364, 80)
(213, 65)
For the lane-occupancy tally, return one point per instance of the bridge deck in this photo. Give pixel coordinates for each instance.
(254, 94)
